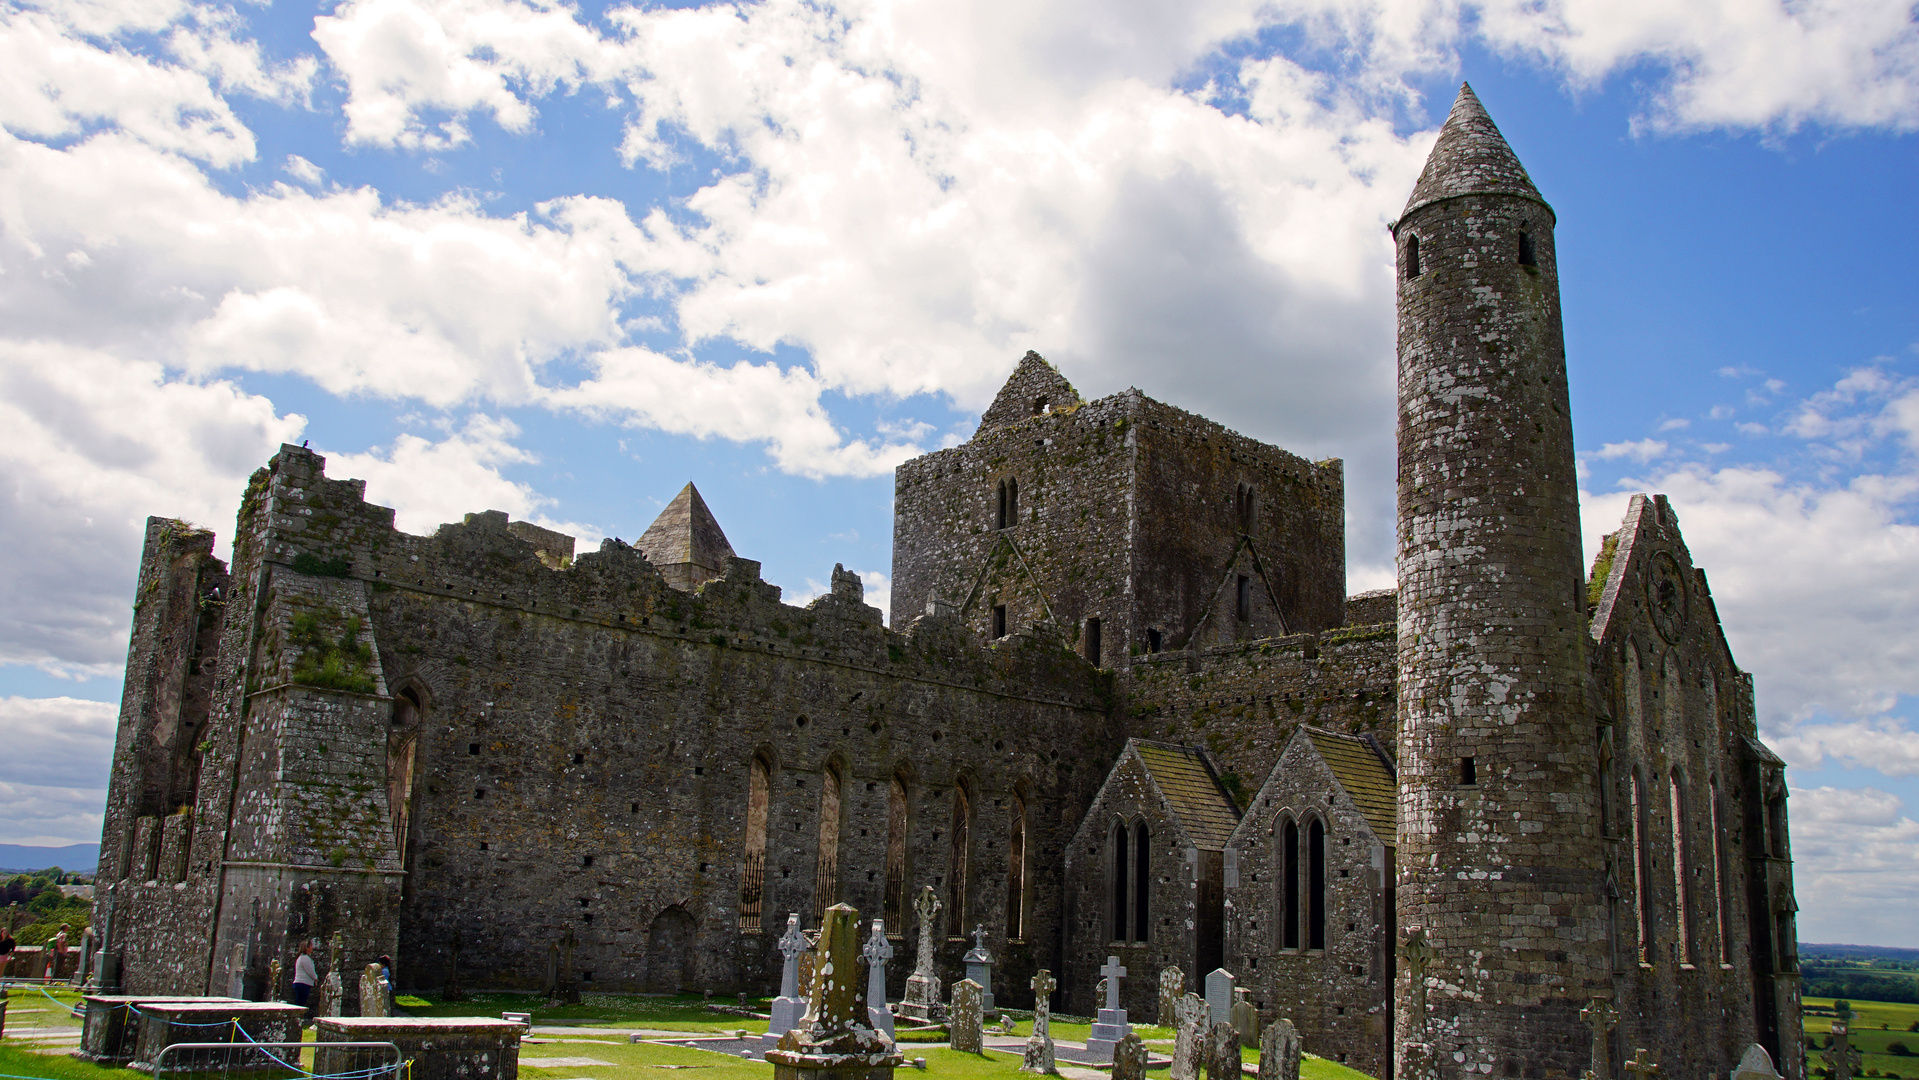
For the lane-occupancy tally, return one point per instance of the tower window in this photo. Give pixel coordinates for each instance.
(999, 620)
(1245, 508)
(1244, 608)
(1039, 406)
(1153, 639)
(1412, 257)
(1468, 771)
(1008, 515)
(1526, 256)
(1092, 642)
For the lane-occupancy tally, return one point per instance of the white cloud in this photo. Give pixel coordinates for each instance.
(53, 776)
(878, 586)
(1855, 858)
(1884, 744)
(1642, 451)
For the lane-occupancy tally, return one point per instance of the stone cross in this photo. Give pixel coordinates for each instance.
(792, 944)
(1841, 1059)
(1219, 995)
(836, 1036)
(1601, 1017)
(1114, 972)
(967, 1018)
(1189, 1013)
(877, 951)
(372, 994)
(1279, 1051)
(1419, 954)
(1756, 1065)
(1039, 1048)
(1172, 983)
(927, 907)
(979, 968)
(1222, 1052)
(273, 979)
(334, 993)
(1641, 1065)
(1129, 1058)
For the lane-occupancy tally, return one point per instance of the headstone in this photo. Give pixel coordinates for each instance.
(1842, 1060)
(922, 1001)
(809, 967)
(1039, 1046)
(451, 991)
(835, 1039)
(788, 1006)
(965, 1018)
(1172, 983)
(1279, 1051)
(1641, 1066)
(1222, 1052)
(237, 973)
(1111, 1026)
(274, 972)
(1756, 1065)
(333, 987)
(372, 994)
(84, 972)
(1245, 1018)
(1219, 996)
(1129, 1058)
(1601, 1017)
(979, 968)
(877, 952)
(1189, 1036)
(1419, 954)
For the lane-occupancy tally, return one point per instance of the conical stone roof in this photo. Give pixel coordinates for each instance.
(686, 533)
(1470, 158)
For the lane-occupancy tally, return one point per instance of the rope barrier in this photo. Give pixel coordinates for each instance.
(70, 1009)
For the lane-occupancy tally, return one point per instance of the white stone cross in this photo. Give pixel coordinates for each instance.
(979, 937)
(1114, 972)
(792, 944)
(877, 952)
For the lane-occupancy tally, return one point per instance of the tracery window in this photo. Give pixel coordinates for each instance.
(753, 864)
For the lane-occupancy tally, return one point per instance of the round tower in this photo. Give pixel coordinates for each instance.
(1500, 904)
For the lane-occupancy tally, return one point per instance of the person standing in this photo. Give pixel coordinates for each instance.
(7, 945)
(58, 954)
(305, 974)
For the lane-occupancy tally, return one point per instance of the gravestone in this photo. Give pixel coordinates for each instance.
(1039, 1047)
(809, 967)
(1112, 1025)
(83, 974)
(1219, 995)
(788, 1006)
(877, 952)
(965, 1019)
(1642, 1066)
(1279, 1051)
(1842, 1060)
(922, 1001)
(237, 973)
(1222, 1052)
(835, 1040)
(1129, 1058)
(1189, 1014)
(1601, 1017)
(372, 994)
(1172, 983)
(333, 987)
(1756, 1065)
(979, 968)
(451, 991)
(274, 971)
(1245, 1018)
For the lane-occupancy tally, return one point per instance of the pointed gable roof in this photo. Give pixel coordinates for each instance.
(1192, 790)
(1362, 768)
(1034, 389)
(1471, 158)
(686, 532)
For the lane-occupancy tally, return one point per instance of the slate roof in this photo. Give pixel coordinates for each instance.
(686, 532)
(1366, 776)
(1205, 811)
(1471, 157)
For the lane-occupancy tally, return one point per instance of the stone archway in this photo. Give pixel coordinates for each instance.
(670, 952)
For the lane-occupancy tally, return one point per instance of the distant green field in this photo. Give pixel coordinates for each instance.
(1876, 1027)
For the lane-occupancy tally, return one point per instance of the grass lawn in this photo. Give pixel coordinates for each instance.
(1876, 1025)
(687, 1012)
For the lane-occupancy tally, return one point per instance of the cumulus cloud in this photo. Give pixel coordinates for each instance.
(1855, 856)
(1641, 451)
(53, 776)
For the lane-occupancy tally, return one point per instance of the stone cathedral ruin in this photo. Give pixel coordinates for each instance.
(1510, 820)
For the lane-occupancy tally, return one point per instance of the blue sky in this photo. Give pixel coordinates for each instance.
(559, 260)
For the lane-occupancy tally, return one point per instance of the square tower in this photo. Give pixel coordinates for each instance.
(1123, 525)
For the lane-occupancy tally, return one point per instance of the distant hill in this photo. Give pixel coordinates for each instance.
(21, 859)
(1856, 952)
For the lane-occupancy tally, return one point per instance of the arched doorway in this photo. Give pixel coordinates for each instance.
(669, 952)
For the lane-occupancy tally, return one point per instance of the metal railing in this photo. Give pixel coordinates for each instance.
(279, 1061)
(752, 886)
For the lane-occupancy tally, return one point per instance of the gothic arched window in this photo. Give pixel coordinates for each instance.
(753, 864)
(1682, 895)
(1142, 881)
(897, 811)
(1016, 872)
(961, 859)
(1289, 884)
(1122, 844)
(1316, 885)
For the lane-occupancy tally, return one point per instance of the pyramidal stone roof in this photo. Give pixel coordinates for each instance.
(686, 532)
(1471, 158)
